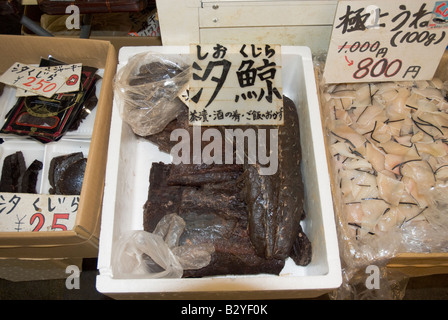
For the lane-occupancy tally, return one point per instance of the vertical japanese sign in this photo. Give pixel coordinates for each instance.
(236, 85)
(21, 212)
(386, 40)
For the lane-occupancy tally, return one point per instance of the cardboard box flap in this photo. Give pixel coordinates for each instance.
(29, 49)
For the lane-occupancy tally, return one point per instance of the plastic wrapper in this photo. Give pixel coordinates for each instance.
(148, 88)
(388, 158)
(157, 254)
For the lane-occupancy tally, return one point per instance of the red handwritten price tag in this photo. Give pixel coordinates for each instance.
(45, 81)
(386, 40)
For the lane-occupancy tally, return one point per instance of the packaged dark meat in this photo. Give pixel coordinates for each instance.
(275, 202)
(162, 199)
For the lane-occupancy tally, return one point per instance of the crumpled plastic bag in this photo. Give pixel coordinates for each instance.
(148, 87)
(146, 255)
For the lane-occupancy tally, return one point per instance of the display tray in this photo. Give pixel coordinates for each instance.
(126, 190)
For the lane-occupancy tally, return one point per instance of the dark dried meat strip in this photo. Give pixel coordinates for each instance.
(71, 179)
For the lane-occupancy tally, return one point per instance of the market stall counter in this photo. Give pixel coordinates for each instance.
(42, 233)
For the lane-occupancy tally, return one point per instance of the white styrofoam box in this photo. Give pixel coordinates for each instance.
(126, 190)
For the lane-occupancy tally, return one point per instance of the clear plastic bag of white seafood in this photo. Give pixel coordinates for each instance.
(388, 151)
(148, 88)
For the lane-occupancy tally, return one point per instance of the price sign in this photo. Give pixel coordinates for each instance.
(386, 40)
(44, 81)
(20, 212)
(236, 85)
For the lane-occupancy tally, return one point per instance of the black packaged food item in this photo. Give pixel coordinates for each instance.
(16, 177)
(48, 119)
(28, 181)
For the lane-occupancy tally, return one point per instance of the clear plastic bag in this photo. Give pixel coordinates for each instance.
(147, 88)
(146, 255)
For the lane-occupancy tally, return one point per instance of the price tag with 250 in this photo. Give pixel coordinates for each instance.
(45, 81)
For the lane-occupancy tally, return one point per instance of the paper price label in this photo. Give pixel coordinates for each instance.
(44, 81)
(21, 212)
(386, 40)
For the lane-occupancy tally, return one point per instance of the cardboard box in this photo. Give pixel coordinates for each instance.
(409, 263)
(126, 190)
(291, 23)
(82, 240)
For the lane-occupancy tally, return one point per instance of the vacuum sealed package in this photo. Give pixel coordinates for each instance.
(48, 119)
(148, 90)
